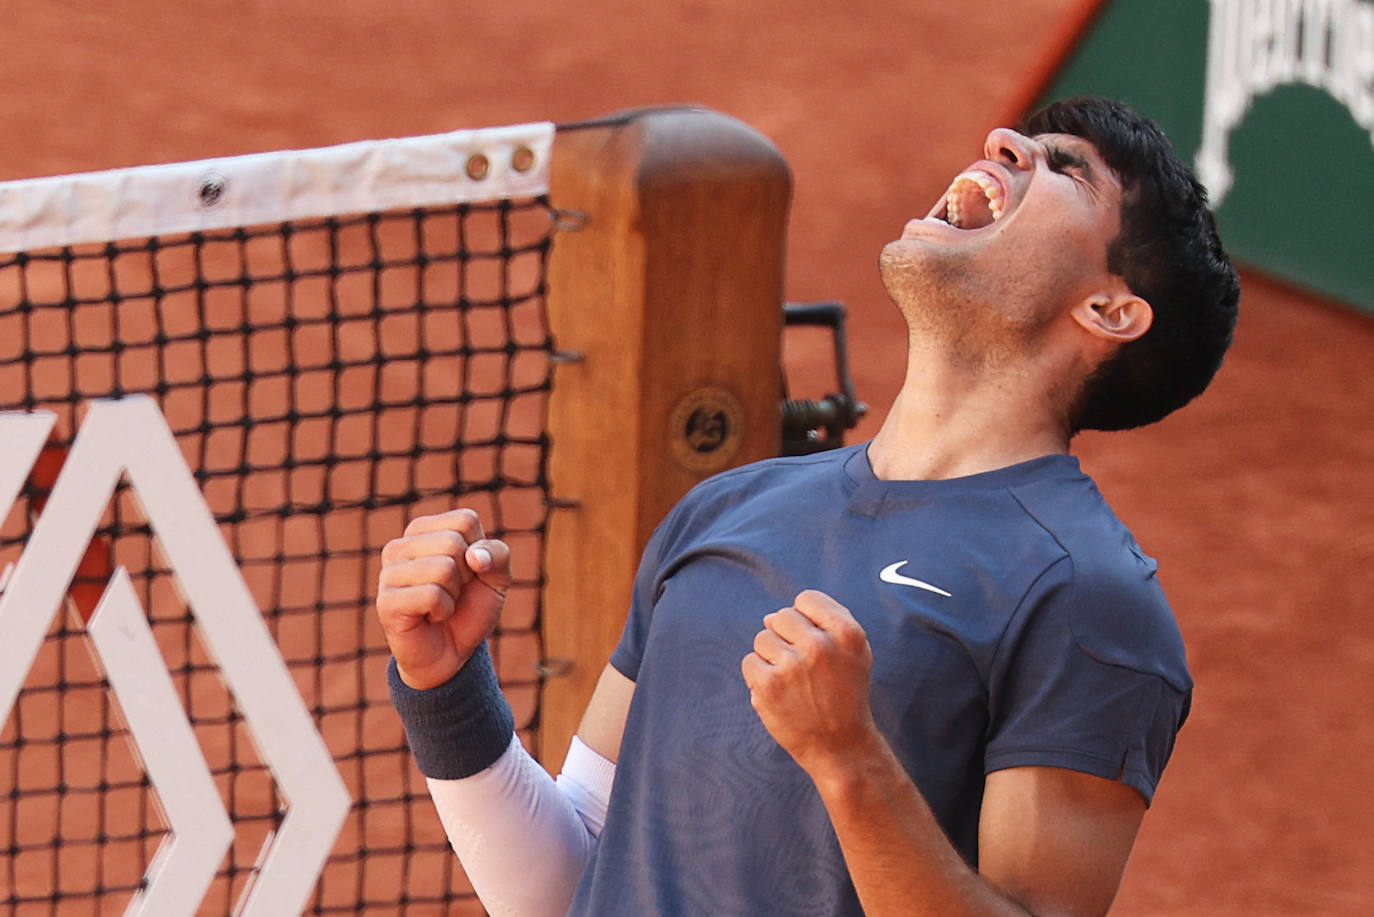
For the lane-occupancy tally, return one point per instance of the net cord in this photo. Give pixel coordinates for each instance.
(439, 169)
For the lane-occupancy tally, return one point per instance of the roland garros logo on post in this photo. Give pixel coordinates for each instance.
(129, 438)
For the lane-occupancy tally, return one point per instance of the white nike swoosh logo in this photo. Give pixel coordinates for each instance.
(890, 575)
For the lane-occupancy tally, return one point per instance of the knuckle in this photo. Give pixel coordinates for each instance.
(434, 593)
(852, 637)
(386, 604)
(417, 525)
(442, 566)
(388, 575)
(466, 519)
(414, 600)
(392, 549)
(397, 605)
(452, 544)
(431, 597)
(769, 688)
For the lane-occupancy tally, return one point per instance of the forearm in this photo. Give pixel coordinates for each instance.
(522, 843)
(899, 858)
(522, 839)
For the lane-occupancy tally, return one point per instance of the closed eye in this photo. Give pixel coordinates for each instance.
(1062, 160)
(1065, 161)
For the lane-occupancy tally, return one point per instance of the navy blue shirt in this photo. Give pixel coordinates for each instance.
(1013, 621)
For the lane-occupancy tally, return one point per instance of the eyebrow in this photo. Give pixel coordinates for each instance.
(1072, 157)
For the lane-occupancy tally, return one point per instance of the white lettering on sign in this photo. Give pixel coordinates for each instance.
(1255, 45)
(129, 439)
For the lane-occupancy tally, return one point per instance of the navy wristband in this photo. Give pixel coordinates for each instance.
(460, 727)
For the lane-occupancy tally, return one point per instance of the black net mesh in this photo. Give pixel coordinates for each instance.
(326, 381)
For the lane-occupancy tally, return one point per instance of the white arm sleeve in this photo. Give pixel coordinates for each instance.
(523, 839)
(586, 781)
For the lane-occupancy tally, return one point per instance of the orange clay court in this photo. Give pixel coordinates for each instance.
(1257, 500)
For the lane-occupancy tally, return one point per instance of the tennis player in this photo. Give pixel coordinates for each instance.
(928, 674)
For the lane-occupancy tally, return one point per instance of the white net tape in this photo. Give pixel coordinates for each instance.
(374, 175)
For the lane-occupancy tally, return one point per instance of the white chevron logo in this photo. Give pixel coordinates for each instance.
(130, 438)
(890, 575)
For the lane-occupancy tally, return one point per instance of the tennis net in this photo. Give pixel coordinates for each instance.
(339, 340)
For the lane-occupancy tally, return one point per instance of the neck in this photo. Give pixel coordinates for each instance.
(953, 418)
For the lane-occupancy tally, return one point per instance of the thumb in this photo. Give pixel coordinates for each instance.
(478, 608)
(489, 560)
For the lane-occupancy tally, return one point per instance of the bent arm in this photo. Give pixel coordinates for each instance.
(495, 816)
(1051, 841)
(440, 593)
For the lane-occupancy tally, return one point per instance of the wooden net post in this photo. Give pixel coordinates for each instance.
(667, 300)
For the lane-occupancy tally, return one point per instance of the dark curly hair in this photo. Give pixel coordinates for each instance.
(1168, 253)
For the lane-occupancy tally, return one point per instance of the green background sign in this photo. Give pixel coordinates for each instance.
(1301, 205)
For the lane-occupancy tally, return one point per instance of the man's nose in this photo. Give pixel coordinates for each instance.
(1007, 146)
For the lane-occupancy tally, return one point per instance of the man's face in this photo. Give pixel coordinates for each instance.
(1019, 238)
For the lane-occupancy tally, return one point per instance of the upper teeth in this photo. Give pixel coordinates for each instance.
(991, 191)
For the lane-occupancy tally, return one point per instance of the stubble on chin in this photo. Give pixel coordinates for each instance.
(914, 280)
(930, 293)
(942, 307)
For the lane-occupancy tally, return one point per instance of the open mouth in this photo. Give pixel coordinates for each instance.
(973, 201)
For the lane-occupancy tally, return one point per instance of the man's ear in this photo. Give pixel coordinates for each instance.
(1116, 315)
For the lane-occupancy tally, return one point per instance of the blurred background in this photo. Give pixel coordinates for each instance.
(1257, 500)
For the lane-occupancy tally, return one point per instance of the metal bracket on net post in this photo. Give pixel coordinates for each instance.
(565, 220)
(814, 425)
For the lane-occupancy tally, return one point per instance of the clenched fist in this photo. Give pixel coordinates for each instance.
(440, 594)
(808, 678)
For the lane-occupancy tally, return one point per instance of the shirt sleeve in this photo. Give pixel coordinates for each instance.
(1091, 678)
(628, 654)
